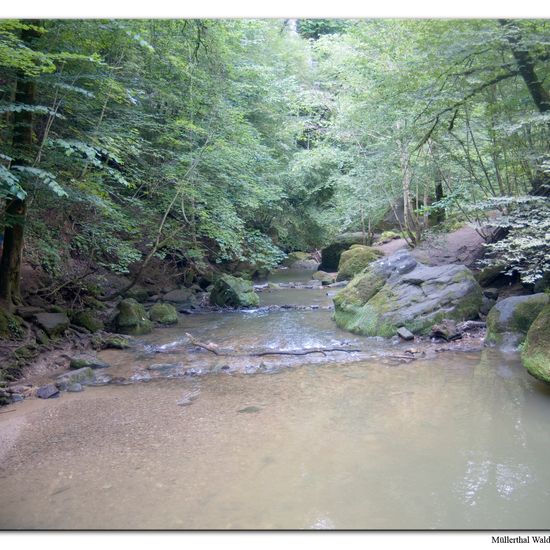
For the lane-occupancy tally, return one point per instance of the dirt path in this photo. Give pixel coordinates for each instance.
(463, 246)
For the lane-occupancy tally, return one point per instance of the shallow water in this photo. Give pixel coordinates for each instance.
(460, 441)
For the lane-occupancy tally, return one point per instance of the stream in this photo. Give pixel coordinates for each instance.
(458, 440)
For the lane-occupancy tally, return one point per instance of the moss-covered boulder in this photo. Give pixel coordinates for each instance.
(354, 260)
(510, 319)
(229, 291)
(138, 293)
(115, 342)
(398, 292)
(536, 351)
(87, 360)
(88, 320)
(300, 260)
(165, 314)
(330, 255)
(324, 277)
(132, 318)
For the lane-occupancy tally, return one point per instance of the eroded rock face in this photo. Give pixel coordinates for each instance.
(397, 291)
(233, 292)
(510, 319)
(132, 318)
(535, 355)
(354, 260)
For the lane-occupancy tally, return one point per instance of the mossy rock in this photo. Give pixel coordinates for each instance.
(88, 320)
(10, 325)
(388, 236)
(293, 257)
(489, 274)
(535, 354)
(138, 293)
(510, 319)
(324, 277)
(233, 292)
(355, 260)
(330, 255)
(115, 342)
(165, 314)
(132, 318)
(383, 298)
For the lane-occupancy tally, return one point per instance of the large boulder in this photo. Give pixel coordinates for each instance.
(510, 319)
(229, 291)
(132, 318)
(180, 296)
(165, 314)
(330, 255)
(88, 319)
(54, 324)
(354, 260)
(397, 291)
(536, 351)
(300, 260)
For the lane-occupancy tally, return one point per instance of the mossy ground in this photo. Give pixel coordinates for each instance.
(535, 354)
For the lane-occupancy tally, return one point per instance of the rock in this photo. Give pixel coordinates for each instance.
(339, 284)
(47, 391)
(396, 291)
(137, 293)
(491, 293)
(16, 397)
(101, 380)
(76, 387)
(141, 377)
(83, 360)
(387, 236)
(84, 375)
(324, 277)
(233, 292)
(489, 274)
(166, 368)
(180, 296)
(132, 318)
(41, 337)
(300, 260)
(28, 312)
(116, 342)
(447, 330)
(330, 255)
(510, 319)
(54, 324)
(88, 320)
(405, 334)
(486, 305)
(354, 260)
(165, 314)
(535, 354)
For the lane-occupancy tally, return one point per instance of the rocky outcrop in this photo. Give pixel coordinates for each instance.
(54, 324)
(229, 291)
(397, 291)
(510, 319)
(536, 351)
(330, 255)
(354, 260)
(300, 260)
(132, 318)
(165, 314)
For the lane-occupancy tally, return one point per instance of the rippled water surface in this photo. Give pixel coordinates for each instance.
(459, 441)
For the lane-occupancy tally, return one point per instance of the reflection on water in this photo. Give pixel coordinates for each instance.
(362, 445)
(460, 441)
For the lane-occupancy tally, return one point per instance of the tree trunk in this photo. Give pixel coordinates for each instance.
(16, 209)
(526, 66)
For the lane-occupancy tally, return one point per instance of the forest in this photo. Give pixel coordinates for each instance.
(171, 173)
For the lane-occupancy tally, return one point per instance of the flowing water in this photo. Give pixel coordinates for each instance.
(341, 441)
